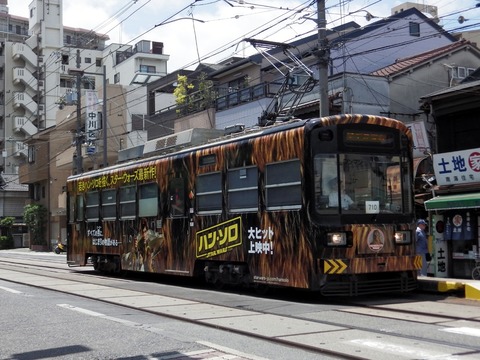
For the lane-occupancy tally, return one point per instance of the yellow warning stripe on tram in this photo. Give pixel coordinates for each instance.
(417, 262)
(333, 266)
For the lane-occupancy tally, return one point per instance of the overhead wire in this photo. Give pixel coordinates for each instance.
(212, 55)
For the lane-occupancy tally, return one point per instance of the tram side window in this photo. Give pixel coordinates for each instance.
(148, 200)
(128, 209)
(283, 185)
(92, 212)
(209, 193)
(71, 209)
(109, 204)
(243, 189)
(177, 197)
(79, 213)
(79, 208)
(325, 170)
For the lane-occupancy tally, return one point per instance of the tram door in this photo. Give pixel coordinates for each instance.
(179, 229)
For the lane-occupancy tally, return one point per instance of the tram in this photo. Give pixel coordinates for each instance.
(323, 204)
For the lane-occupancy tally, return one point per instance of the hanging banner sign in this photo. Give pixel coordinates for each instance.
(91, 120)
(457, 167)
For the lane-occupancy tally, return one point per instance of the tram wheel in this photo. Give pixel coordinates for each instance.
(476, 273)
(262, 289)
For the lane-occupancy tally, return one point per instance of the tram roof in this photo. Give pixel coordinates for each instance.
(247, 133)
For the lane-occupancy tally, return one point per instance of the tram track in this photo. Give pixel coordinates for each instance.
(302, 325)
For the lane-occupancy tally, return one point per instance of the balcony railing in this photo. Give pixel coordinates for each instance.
(196, 103)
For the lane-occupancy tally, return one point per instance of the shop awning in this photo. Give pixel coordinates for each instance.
(460, 201)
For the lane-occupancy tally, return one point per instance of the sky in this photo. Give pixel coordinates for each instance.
(211, 31)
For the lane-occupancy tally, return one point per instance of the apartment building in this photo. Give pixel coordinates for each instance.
(43, 64)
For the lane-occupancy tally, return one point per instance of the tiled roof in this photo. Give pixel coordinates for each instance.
(9, 182)
(403, 64)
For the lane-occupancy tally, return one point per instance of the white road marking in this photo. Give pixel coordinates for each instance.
(10, 290)
(463, 331)
(230, 351)
(111, 318)
(401, 351)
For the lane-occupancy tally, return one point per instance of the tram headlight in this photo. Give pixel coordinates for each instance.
(403, 237)
(337, 239)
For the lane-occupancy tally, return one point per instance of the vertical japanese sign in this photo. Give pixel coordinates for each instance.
(421, 144)
(440, 247)
(457, 167)
(91, 121)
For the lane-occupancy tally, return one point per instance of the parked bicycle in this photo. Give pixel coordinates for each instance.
(476, 269)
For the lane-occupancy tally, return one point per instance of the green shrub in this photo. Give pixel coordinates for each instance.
(6, 242)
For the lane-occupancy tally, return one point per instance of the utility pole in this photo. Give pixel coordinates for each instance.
(78, 135)
(323, 56)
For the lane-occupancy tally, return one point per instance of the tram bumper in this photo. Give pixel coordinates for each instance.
(369, 275)
(366, 284)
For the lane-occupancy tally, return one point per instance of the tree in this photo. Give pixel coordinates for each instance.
(35, 217)
(205, 92)
(181, 91)
(6, 238)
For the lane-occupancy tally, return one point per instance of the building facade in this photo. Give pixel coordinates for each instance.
(51, 73)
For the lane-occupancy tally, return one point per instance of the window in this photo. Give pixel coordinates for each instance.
(147, 69)
(79, 212)
(92, 212)
(177, 197)
(148, 200)
(88, 60)
(243, 189)
(414, 29)
(283, 185)
(68, 39)
(109, 204)
(461, 72)
(362, 184)
(127, 202)
(209, 193)
(208, 160)
(31, 153)
(67, 83)
(71, 209)
(116, 78)
(98, 62)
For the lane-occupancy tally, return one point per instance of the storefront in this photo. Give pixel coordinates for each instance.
(454, 214)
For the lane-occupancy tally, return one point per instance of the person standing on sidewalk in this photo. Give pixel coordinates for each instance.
(422, 245)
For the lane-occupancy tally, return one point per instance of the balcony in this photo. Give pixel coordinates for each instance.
(24, 76)
(20, 150)
(22, 51)
(242, 96)
(22, 124)
(22, 99)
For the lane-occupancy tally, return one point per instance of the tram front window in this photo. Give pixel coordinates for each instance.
(361, 184)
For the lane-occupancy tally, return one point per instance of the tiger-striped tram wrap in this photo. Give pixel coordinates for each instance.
(321, 204)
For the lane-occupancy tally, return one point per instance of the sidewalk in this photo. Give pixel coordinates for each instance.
(470, 288)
